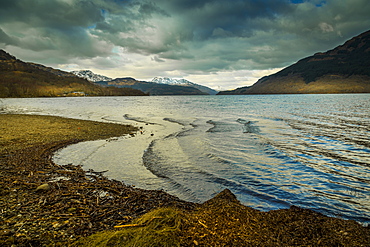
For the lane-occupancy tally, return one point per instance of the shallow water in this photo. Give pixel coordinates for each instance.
(272, 151)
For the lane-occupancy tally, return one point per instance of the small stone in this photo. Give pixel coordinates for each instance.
(43, 187)
(5, 232)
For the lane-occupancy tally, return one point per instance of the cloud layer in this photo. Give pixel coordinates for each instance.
(204, 40)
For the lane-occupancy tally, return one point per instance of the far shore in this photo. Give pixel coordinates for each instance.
(44, 204)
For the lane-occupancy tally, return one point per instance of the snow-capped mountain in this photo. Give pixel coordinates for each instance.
(171, 81)
(90, 76)
(183, 82)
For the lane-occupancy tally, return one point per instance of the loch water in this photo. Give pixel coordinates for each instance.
(271, 151)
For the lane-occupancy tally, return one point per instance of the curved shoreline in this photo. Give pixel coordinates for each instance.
(76, 203)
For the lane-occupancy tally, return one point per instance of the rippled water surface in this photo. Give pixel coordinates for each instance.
(272, 151)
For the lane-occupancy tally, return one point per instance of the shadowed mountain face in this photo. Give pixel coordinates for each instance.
(152, 88)
(345, 69)
(21, 79)
(155, 87)
(183, 82)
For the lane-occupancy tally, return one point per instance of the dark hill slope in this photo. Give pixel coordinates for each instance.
(345, 69)
(21, 79)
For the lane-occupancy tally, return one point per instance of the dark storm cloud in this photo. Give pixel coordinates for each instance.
(263, 34)
(71, 27)
(150, 8)
(172, 29)
(199, 36)
(43, 25)
(50, 13)
(6, 39)
(235, 18)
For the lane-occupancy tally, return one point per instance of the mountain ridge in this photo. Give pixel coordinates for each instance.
(343, 69)
(151, 88)
(184, 82)
(23, 79)
(158, 86)
(90, 76)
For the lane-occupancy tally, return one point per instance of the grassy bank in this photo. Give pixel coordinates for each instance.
(20, 131)
(44, 204)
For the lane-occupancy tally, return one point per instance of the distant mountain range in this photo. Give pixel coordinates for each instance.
(90, 76)
(158, 86)
(344, 69)
(183, 82)
(22, 79)
(152, 88)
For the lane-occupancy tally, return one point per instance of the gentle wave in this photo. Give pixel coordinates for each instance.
(272, 151)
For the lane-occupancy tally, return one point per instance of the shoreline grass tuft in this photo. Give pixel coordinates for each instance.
(160, 227)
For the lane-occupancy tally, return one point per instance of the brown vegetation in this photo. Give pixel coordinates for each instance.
(20, 79)
(344, 69)
(223, 221)
(329, 84)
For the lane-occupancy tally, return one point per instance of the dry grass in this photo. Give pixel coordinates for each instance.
(223, 221)
(159, 227)
(20, 131)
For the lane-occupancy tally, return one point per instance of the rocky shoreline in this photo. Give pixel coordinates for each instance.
(44, 204)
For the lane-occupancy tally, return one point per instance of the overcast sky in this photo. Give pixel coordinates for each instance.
(222, 44)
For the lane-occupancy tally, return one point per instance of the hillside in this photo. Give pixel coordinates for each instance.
(173, 87)
(22, 79)
(344, 69)
(183, 82)
(152, 88)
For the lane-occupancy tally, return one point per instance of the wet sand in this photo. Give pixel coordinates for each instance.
(44, 204)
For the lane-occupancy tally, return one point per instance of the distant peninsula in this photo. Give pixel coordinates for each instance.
(344, 69)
